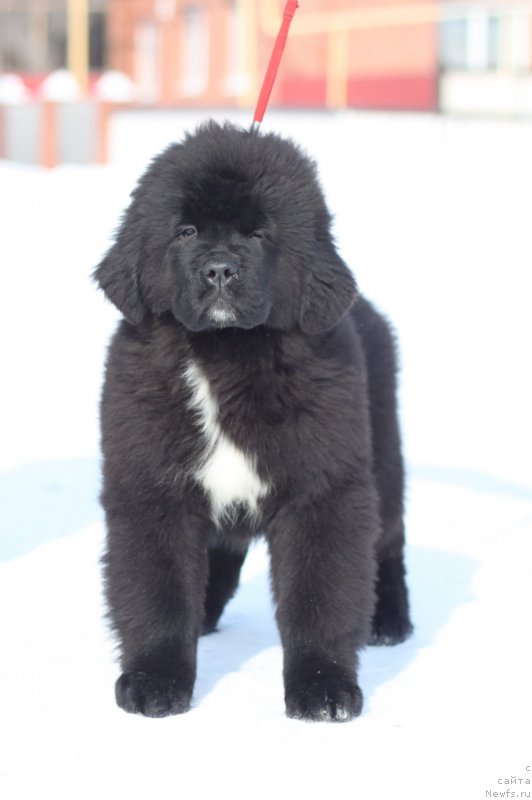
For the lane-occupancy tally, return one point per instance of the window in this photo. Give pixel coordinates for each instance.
(486, 36)
(195, 52)
(472, 40)
(33, 36)
(57, 41)
(237, 81)
(97, 40)
(14, 40)
(453, 44)
(494, 42)
(147, 61)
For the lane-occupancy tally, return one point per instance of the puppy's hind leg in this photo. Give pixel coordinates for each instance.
(224, 574)
(391, 620)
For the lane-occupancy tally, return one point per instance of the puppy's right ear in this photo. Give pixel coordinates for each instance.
(117, 275)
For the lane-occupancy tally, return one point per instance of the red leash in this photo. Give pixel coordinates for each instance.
(275, 58)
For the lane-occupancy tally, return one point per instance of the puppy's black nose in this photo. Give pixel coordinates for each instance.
(219, 270)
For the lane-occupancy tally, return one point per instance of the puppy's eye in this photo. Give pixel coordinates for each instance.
(187, 233)
(256, 235)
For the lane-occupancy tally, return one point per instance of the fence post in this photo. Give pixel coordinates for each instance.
(49, 135)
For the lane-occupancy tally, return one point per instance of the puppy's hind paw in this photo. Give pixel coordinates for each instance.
(390, 631)
(151, 695)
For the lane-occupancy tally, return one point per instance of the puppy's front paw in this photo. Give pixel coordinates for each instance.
(151, 695)
(327, 699)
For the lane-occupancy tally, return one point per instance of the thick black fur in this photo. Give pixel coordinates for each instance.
(303, 372)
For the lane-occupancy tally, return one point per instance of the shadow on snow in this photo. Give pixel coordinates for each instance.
(47, 500)
(50, 500)
(439, 583)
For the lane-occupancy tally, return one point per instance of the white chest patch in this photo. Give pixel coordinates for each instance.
(228, 475)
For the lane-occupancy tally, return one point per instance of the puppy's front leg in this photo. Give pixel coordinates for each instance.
(323, 573)
(155, 574)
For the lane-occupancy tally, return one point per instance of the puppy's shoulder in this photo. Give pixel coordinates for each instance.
(374, 329)
(340, 345)
(151, 353)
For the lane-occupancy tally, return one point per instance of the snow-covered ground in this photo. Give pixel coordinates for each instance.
(435, 218)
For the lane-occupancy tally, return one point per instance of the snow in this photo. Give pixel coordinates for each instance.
(434, 217)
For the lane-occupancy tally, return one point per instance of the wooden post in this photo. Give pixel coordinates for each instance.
(251, 60)
(104, 110)
(49, 134)
(337, 69)
(78, 42)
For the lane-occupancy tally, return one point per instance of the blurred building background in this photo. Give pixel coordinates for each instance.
(341, 52)
(444, 56)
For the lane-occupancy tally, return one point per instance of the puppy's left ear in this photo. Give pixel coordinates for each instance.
(117, 275)
(330, 290)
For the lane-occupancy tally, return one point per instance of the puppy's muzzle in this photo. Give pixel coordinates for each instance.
(219, 270)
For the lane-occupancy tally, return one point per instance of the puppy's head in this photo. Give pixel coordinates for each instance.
(228, 229)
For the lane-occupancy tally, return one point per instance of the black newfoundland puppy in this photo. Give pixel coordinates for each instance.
(249, 390)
